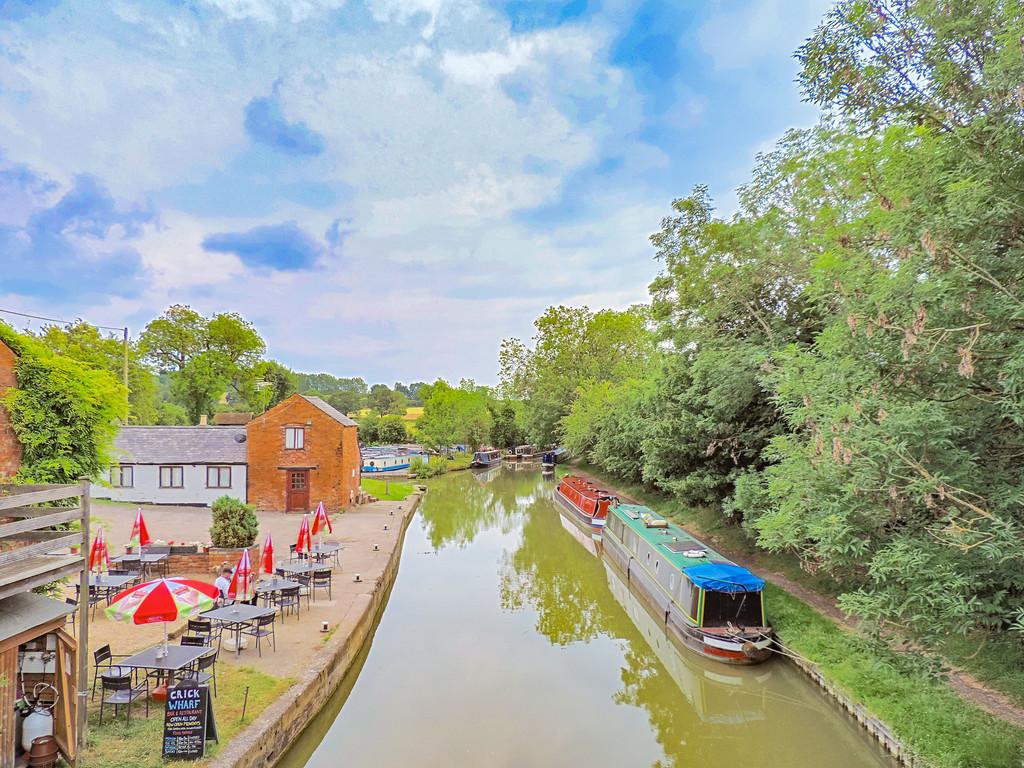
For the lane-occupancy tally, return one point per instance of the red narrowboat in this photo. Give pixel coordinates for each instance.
(585, 500)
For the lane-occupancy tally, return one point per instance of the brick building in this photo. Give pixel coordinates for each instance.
(10, 448)
(300, 452)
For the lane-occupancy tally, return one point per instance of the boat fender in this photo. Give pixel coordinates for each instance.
(749, 649)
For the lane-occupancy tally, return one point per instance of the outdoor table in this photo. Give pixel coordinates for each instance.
(265, 589)
(322, 552)
(108, 585)
(146, 561)
(234, 617)
(178, 658)
(299, 568)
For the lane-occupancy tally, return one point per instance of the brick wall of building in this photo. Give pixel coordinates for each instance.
(10, 448)
(330, 452)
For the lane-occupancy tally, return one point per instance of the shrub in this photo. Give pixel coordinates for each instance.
(234, 523)
(420, 468)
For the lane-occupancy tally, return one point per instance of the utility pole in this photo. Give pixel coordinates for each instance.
(125, 362)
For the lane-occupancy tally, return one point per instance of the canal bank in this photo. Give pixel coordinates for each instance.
(269, 736)
(505, 642)
(915, 714)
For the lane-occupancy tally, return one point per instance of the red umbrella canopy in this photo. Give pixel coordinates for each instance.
(242, 585)
(99, 557)
(305, 542)
(140, 535)
(162, 600)
(267, 556)
(320, 520)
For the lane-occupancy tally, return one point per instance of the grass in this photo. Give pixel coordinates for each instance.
(117, 745)
(386, 490)
(924, 712)
(996, 660)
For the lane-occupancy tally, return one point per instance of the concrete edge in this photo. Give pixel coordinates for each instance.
(266, 739)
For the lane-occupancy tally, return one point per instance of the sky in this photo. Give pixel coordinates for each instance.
(385, 188)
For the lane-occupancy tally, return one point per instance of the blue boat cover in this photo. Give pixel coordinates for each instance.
(724, 577)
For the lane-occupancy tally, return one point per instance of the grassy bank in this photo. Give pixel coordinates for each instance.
(900, 688)
(924, 712)
(118, 745)
(386, 490)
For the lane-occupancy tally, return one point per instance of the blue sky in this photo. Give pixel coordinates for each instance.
(387, 188)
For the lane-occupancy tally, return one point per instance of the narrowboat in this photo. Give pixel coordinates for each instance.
(486, 458)
(711, 605)
(547, 461)
(525, 452)
(585, 500)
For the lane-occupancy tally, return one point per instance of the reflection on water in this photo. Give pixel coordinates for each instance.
(507, 643)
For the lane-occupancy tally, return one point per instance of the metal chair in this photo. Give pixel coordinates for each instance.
(205, 628)
(101, 657)
(195, 641)
(287, 599)
(120, 691)
(208, 661)
(322, 580)
(95, 597)
(73, 616)
(305, 589)
(264, 627)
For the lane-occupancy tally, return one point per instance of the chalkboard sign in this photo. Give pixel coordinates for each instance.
(188, 721)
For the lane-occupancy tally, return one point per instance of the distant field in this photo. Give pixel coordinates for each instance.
(413, 412)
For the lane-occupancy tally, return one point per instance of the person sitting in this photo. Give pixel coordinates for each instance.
(223, 583)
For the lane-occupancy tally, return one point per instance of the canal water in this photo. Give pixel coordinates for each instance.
(505, 642)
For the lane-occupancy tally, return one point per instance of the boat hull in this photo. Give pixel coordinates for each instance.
(709, 644)
(595, 523)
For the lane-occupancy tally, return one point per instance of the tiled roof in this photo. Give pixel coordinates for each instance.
(231, 418)
(180, 445)
(330, 410)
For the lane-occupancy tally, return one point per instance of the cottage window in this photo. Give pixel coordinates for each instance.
(172, 477)
(218, 477)
(294, 438)
(122, 476)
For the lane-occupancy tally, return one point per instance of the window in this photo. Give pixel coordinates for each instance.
(218, 477)
(294, 438)
(122, 476)
(172, 477)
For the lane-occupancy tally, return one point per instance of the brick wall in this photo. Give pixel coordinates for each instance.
(331, 452)
(10, 448)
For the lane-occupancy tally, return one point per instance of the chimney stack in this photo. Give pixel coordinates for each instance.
(202, 420)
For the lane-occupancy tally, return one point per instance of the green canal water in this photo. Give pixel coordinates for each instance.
(505, 642)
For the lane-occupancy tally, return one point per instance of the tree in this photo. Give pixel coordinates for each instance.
(454, 416)
(271, 383)
(392, 429)
(506, 429)
(64, 412)
(203, 356)
(385, 400)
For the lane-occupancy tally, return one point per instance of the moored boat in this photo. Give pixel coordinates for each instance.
(486, 458)
(713, 606)
(585, 500)
(547, 461)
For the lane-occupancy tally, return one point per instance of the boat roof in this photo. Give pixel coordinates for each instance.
(673, 543)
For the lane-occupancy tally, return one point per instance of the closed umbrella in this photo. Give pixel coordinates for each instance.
(140, 535)
(305, 542)
(267, 556)
(99, 557)
(162, 600)
(242, 585)
(321, 521)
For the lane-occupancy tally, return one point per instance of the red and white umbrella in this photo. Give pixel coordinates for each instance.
(140, 535)
(305, 542)
(321, 521)
(267, 556)
(162, 600)
(99, 557)
(243, 582)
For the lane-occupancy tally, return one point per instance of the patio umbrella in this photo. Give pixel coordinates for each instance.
(140, 535)
(267, 556)
(162, 600)
(99, 557)
(321, 521)
(243, 586)
(305, 542)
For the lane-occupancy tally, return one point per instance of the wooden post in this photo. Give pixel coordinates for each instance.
(82, 710)
(125, 361)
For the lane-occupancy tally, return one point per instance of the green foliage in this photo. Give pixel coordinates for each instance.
(387, 401)
(204, 357)
(64, 412)
(419, 468)
(234, 523)
(455, 416)
(392, 429)
(271, 383)
(506, 427)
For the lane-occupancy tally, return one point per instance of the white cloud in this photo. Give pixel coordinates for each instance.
(740, 35)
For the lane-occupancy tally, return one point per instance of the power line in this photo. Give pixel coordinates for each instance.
(62, 322)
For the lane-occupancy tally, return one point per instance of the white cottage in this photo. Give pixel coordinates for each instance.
(176, 465)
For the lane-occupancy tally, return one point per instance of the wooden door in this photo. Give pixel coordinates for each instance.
(297, 490)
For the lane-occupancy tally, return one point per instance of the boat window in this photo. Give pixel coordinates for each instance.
(742, 609)
(656, 561)
(689, 597)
